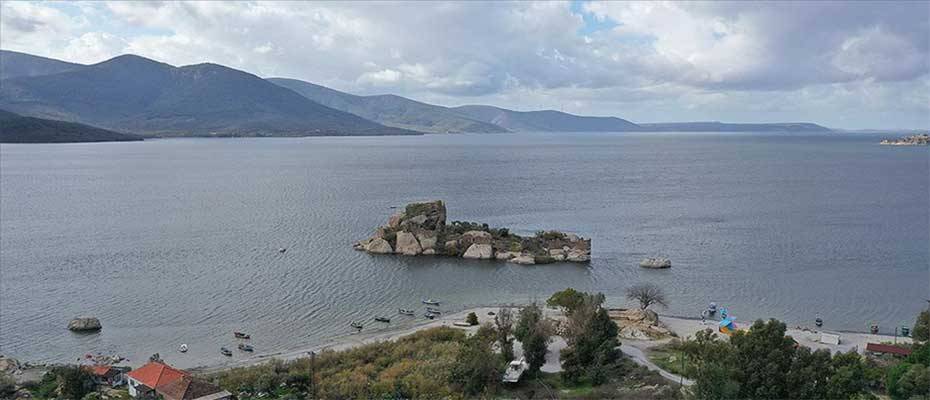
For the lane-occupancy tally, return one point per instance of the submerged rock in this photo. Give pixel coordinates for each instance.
(84, 324)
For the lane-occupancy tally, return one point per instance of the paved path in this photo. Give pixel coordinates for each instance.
(637, 355)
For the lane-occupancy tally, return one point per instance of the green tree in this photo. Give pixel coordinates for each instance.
(921, 331)
(533, 332)
(809, 374)
(568, 300)
(476, 369)
(73, 382)
(712, 366)
(503, 320)
(592, 341)
(905, 381)
(763, 359)
(471, 319)
(847, 377)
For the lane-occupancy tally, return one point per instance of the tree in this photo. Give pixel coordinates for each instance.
(592, 341)
(646, 294)
(73, 382)
(476, 368)
(809, 374)
(568, 300)
(533, 332)
(847, 376)
(712, 366)
(763, 359)
(471, 319)
(921, 331)
(503, 320)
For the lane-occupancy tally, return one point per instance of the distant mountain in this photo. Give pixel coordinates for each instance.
(15, 128)
(545, 121)
(725, 127)
(132, 93)
(391, 110)
(15, 64)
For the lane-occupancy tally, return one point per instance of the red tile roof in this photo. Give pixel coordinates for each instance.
(187, 388)
(99, 370)
(887, 348)
(156, 374)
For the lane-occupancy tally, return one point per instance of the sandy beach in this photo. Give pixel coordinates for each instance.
(682, 327)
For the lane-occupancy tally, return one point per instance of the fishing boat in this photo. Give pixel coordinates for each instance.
(431, 302)
(281, 250)
(225, 352)
(182, 348)
(383, 319)
(712, 309)
(433, 310)
(873, 329)
(357, 325)
(818, 322)
(404, 311)
(246, 347)
(240, 335)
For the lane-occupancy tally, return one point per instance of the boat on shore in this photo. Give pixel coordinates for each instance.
(403, 311)
(431, 302)
(225, 352)
(429, 315)
(383, 319)
(246, 347)
(712, 308)
(240, 335)
(433, 310)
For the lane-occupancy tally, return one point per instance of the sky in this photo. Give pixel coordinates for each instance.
(850, 65)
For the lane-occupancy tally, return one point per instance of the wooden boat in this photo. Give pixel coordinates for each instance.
(403, 311)
(357, 325)
(246, 347)
(225, 352)
(240, 335)
(383, 319)
(182, 348)
(431, 302)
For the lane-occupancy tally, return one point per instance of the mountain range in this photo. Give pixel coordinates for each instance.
(137, 95)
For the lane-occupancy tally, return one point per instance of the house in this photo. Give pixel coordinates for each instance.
(107, 374)
(159, 379)
(878, 348)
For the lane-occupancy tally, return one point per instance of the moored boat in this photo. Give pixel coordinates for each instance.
(433, 310)
(225, 352)
(818, 322)
(240, 335)
(404, 311)
(431, 302)
(712, 308)
(182, 348)
(383, 319)
(246, 347)
(357, 325)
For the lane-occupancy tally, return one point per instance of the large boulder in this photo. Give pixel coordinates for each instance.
(524, 259)
(395, 219)
(480, 237)
(361, 245)
(429, 216)
(576, 255)
(656, 262)
(506, 255)
(84, 324)
(427, 240)
(379, 246)
(407, 244)
(479, 251)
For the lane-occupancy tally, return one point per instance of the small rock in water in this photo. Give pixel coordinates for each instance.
(657, 262)
(84, 324)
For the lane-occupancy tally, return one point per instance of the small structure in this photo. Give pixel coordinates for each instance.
(107, 374)
(830, 338)
(159, 379)
(515, 370)
(879, 349)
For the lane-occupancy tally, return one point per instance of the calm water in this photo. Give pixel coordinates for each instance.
(175, 241)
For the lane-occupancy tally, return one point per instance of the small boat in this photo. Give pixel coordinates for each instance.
(818, 322)
(383, 319)
(281, 250)
(430, 315)
(873, 329)
(403, 311)
(225, 352)
(183, 348)
(240, 335)
(357, 325)
(712, 308)
(433, 311)
(246, 347)
(431, 302)
(491, 313)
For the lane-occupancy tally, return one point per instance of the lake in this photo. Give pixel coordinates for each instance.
(175, 241)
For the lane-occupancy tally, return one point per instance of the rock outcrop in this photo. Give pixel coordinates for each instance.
(638, 324)
(914, 140)
(84, 324)
(656, 262)
(421, 229)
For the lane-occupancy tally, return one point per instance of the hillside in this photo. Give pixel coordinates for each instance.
(15, 128)
(136, 94)
(391, 110)
(15, 64)
(715, 126)
(545, 121)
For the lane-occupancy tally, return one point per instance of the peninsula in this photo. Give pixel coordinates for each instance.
(913, 140)
(421, 229)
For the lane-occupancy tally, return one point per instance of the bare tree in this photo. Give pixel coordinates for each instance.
(646, 294)
(504, 322)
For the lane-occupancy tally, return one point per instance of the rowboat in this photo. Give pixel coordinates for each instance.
(240, 335)
(383, 319)
(431, 302)
(225, 352)
(183, 348)
(246, 347)
(403, 311)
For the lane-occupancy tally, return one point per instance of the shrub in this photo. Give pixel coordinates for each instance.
(471, 319)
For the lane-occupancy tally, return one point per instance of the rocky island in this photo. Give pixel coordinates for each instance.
(421, 229)
(913, 140)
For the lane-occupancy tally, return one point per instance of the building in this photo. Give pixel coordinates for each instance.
(878, 348)
(108, 375)
(159, 379)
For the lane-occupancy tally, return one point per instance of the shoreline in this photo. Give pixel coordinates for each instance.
(683, 327)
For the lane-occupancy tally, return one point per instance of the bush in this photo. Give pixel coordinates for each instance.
(921, 331)
(471, 319)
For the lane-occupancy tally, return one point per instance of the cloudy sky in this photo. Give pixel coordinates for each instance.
(844, 65)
